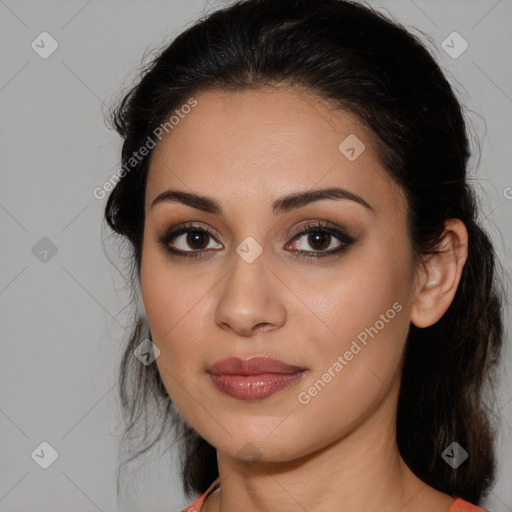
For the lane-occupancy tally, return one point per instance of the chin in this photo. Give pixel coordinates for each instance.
(254, 448)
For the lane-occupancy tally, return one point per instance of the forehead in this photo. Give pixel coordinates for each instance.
(272, 140)
(261, 118)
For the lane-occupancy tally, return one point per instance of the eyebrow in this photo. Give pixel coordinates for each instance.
(282, 205)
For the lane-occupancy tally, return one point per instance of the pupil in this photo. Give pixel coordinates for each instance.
(197, 238)
(318, 235)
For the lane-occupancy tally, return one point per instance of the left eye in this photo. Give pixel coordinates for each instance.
(318, 239)
(317, 236)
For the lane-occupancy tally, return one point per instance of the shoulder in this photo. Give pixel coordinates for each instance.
(198, 504)
(460, 505)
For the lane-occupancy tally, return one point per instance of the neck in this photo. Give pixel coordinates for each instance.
(362, 470)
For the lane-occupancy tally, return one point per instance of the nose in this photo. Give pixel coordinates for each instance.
(251, 298)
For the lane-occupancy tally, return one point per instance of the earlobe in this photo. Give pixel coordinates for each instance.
(440, 275)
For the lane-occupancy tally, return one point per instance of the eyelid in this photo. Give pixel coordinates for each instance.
(189, 226)
(338, 232)
(335, 231)
(179, 230)
(321, 224)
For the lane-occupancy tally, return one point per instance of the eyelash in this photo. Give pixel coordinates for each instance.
(319, 227)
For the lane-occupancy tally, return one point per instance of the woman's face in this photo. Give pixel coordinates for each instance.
(255, 289)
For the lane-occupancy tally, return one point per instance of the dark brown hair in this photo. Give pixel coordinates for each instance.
(373, 67)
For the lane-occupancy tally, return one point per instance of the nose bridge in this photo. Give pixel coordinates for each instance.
(248, 297)
(246, 283)
(249, 263)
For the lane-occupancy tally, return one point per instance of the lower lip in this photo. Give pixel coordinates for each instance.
(254, 387)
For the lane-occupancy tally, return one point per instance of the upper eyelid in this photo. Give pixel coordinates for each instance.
(324, 225)
(338, 232)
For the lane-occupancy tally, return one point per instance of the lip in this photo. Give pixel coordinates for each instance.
(251, 366)
(253, 379)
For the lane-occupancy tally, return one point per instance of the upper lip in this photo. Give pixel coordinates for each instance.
(251, 366)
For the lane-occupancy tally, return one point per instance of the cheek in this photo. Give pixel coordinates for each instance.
(356, 363)
(367, 329)
(168, 295)
(169, 309)
(174, 306)
(363, 293)
(366, 312)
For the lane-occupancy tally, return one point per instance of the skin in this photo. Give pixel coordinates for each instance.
(337, 452)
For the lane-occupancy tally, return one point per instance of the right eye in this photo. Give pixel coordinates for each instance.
(187, 236)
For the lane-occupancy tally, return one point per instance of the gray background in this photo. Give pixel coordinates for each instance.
(62, 319)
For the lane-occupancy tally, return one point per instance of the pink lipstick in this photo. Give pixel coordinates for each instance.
(255, 378)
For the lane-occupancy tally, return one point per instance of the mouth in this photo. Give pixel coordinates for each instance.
(253, 379)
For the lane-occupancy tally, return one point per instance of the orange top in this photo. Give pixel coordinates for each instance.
(458, 505)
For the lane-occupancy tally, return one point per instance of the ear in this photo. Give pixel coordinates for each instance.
(439, 276)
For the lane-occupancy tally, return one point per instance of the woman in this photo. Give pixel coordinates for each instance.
(320, 302)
